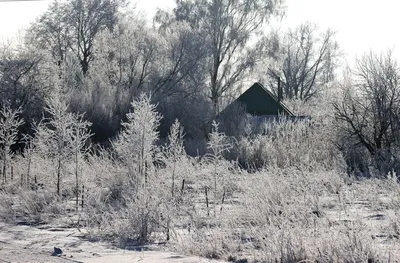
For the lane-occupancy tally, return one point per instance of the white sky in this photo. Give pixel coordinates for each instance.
(361, 25)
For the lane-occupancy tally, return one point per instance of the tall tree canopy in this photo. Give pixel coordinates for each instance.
(370, 110)
(306, 60)
(230, 30)
(73, 26)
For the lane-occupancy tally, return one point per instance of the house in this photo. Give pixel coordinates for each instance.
(259, 106)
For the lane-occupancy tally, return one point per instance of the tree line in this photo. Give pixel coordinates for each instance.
(193, 60)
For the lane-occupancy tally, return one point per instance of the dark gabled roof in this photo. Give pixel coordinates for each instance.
(260, 101)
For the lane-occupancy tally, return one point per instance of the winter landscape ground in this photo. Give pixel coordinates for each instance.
(323, 219)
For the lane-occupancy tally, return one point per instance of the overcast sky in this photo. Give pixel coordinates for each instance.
(361, 25)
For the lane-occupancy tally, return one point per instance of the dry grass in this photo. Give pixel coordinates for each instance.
(298, 206)
(288, 217)
(283, 215)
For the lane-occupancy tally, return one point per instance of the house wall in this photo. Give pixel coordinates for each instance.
(257, 123)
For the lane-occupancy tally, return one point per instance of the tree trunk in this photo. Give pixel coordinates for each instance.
(215, 189)
(173, 181)
(58, 176)
(4, 171)
(76, 181)
(85, 67)
(29, 169)
(214, 87)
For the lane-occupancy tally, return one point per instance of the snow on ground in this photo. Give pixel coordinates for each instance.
(28, 244)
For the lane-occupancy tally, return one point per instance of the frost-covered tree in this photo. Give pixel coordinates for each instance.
(9, 124)
(369, 113)
(227, 28)
(62, 137)
(218, 145)
(136, 148)
(135, 58)
(175, 151)
(135, 145)
(304, 63)
(80, 138)
(72, 26)
(23, 82)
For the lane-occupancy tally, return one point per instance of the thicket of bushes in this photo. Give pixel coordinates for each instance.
(140, 191)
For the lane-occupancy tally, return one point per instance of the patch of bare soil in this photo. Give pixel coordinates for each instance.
(36, 244)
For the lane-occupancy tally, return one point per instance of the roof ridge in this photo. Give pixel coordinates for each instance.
(275, 98)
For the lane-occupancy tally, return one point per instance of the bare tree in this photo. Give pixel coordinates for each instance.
(306, 62)
(126, 60)
(87, 19)
(218, 145)
(50, 32)
(62, 137)
(135, 58)
(22, 82)
(370, 110)
(136, 148)
(175, 151)
(181, 69)
(9, 124)
(80, 136)
(180, 87)
(73, 26)
(136, 143)
(227, 27)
